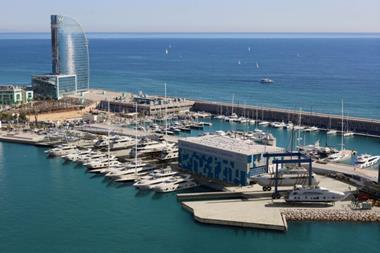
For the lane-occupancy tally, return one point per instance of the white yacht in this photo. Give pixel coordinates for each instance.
(266, 81)
(221, 117)
(176, 184)
(146, 148)
(331, 132)
(366, 161)
(93, 156)
(340, 156)
(348, 134)
(148, 182)
(134, 174)
(62, 150)
(76, 155)
(314, 194)
(267, 180)
(252, 121)
(169, 153)
(264, 123)
(300, 128)
(278, 124)
(311, 129)
(220, 132)
(290, 125)
(232, 118)
(102, 164)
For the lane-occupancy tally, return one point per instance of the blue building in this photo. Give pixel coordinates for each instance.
(70, 60)
(222, 158)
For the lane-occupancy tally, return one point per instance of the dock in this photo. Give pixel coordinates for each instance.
(251, 213)
(23, 138)
(100, 128)
(256, 209)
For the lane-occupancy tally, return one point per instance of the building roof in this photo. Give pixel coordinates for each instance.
(12, 87)
(231, 144)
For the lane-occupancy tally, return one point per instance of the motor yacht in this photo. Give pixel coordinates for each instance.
(175, 184)
(267, 180)
(264, 123)
(311, 129)
(314, 194)
(76, 155)
(62, 150)
(331, 132)
(102, 163)
(278, 124)
(348, 134)
(340, 156)
(366, 161)
(149, 182)
(266, 81)
(134, 174)
(169, 153)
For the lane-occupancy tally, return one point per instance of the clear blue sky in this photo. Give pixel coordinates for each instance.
(195, 15)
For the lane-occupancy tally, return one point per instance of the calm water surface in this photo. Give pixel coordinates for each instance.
(50, 207)
(310, 72)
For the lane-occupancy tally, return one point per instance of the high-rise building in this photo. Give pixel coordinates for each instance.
(70, 50)
(70, 61)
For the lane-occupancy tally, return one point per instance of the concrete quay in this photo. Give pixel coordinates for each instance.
(256, 209)
(362, 126)
(100, 128)
(22, 138)
(239, 213)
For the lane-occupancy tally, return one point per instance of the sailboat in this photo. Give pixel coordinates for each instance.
(348, 133)
(331, 131)
(343, 154)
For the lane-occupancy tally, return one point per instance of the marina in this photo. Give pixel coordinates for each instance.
(190, 128)
(127, 154)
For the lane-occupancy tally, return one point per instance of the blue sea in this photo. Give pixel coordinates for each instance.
(48, 206)
(310, 71)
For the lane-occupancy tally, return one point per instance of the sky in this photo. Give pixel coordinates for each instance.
(346, 16)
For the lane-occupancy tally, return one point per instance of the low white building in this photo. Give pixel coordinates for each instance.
(223, 158)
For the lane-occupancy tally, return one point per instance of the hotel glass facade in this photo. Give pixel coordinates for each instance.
(54, 86)
(70, 50)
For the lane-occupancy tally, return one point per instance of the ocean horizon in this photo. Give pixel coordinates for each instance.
(311, 71)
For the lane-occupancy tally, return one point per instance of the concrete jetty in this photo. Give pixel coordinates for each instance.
(22, 138)
(101, 128)
(358, 125)
(256, 209)
(241, 213)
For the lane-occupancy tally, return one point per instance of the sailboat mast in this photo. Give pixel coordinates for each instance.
(136, 141)
(342, 137)
(166, 114)
(109, 133)
(232, 104)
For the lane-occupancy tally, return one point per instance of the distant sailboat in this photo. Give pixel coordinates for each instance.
(166, 51)
(239, 62)
(257, 65)
(249, 49)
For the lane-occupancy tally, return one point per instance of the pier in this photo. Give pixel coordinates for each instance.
(251, 208)
(363, 126)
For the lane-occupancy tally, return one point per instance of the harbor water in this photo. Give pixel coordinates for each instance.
(361, 144)
(48, 206)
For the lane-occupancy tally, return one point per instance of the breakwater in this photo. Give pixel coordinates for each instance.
(325, 121)
(343, 215)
